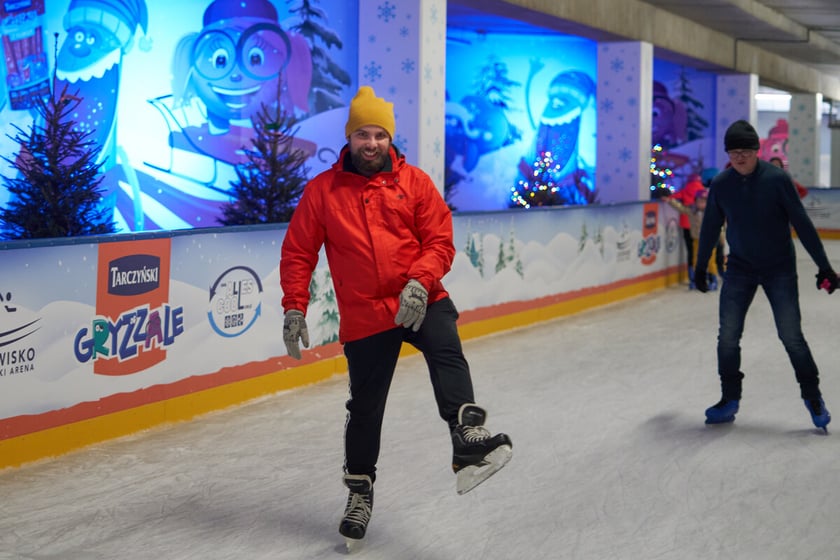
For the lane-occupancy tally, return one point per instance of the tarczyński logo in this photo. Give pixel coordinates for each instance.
(133, 275)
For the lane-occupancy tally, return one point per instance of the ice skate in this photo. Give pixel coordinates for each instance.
(358, 510)
(713, 282)
(723, 412)
(476, 454)
(819, 413)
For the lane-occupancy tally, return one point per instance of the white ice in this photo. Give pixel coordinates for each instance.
(611, 459)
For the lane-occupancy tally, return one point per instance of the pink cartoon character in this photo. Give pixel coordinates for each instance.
(775, 145)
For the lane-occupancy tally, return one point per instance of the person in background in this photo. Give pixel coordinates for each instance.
(759, 205)
(388, 238)
(695, 217)
(685, 196)
(801, 191)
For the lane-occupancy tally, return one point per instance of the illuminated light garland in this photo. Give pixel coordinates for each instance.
(664, 174)
(544, 186)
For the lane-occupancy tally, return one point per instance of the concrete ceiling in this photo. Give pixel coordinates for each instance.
(803, 31)
(806, 31)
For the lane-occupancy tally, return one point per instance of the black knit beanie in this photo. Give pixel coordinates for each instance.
(741, 136)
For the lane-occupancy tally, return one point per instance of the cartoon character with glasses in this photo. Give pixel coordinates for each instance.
(239, 61)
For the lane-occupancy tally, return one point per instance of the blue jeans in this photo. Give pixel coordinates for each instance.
(782, 291)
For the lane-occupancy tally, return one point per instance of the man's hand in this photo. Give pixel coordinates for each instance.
(413, 300)
(700, 281)
(827, 280)
(294, 329)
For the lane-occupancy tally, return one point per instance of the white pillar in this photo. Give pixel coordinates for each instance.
(402, 55)
(735, 101)
(804, 137)
(624, 96)
(834, 180)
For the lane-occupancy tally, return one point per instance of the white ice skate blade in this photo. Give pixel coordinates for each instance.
(353, 545)
(469, 477)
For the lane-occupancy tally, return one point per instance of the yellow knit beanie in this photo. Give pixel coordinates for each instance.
(367, 109)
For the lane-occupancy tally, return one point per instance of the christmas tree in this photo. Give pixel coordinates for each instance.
(545, 185)
(328, 77)
(270, 183)
(56, 190)
(696, 124)
(662, 166)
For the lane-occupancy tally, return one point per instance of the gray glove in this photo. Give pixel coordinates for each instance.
(413, 301)
(294, 328)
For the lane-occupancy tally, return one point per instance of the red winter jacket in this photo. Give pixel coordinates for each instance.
(379, 232)
(686, 196)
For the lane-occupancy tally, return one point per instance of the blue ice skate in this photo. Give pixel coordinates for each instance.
(819, 413)
(713, 282)
(723, 412)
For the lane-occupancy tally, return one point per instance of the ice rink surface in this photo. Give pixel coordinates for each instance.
(612, 459)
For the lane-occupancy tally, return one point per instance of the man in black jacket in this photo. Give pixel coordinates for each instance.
(758, 203)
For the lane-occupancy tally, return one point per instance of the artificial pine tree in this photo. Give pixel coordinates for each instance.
(56, 191)
(328, 77)
(270, 183)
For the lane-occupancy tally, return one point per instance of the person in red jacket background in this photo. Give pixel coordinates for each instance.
(387, 234)
(685, 196)
(800, 190)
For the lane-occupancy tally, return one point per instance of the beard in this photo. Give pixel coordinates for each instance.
(368, 167)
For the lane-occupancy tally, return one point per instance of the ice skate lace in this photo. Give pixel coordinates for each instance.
(473, 434)
(358, 509)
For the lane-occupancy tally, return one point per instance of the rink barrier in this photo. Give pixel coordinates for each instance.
(60, 432)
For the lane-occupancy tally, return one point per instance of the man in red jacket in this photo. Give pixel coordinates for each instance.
(387, 234)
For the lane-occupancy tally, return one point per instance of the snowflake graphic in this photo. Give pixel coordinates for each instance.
(371, 38)
(632, 101)
(732, 92)
(402, 142)
(387, 12)
(372, 71)
(617, 65)
(607, 179)
(607, 105)
(407, 66)
(625, 154)
(427, 73)
(436, 147)
(403, 31)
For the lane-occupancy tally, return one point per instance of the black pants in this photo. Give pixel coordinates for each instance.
(371, 363)
(689, 248)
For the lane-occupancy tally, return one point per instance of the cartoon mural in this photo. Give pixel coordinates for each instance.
(776, 142)
(668, 121)
(681, 112)
(99, 33)
(240, 60)
(173, 115)
(510, 109)
(25, 71)
(554, 172)
(478, 124)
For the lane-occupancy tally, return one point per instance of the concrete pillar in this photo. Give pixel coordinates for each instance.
(804, 137)
(402, 55)
(624, 97)
(735, 101)
(835, 158)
